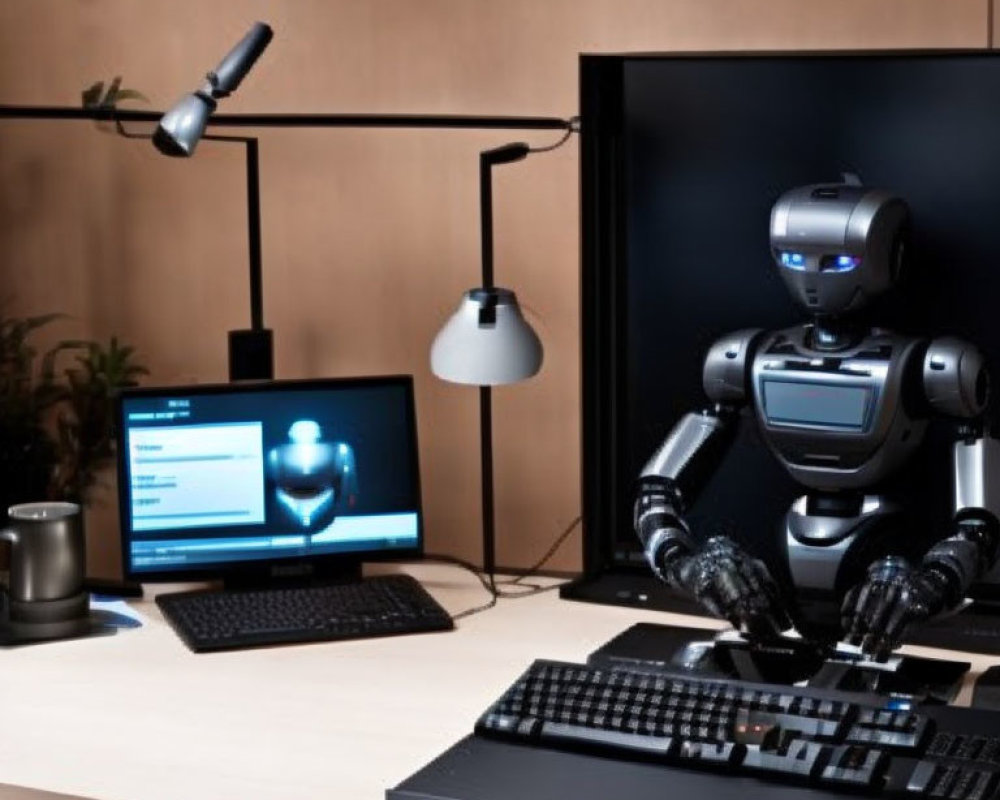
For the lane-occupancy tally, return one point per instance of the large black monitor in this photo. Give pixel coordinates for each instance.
(251, 482)
(683, 156)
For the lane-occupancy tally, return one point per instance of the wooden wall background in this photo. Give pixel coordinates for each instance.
(369, 236)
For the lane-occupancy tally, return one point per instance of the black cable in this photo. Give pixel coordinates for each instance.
(548, 553)
(571, 128)
(488, 585)
(458, 562)
(491, 585)
(475, 609)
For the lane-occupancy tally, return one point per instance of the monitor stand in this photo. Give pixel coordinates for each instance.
(790, 661)
(291, 574)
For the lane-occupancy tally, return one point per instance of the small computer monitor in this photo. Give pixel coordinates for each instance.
(268, 480)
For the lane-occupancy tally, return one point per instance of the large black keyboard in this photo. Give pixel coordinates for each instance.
(377, 606)
(835, 740)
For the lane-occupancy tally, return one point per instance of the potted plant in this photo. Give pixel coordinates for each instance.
(56, 411)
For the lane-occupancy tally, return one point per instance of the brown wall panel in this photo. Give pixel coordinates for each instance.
(369, 236)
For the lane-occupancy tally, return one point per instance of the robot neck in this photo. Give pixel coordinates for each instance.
(832, 334)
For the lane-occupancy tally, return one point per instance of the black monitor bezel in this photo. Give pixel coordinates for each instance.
(288, 568)
(603, 275)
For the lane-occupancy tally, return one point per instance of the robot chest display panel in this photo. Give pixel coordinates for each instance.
(836, 420)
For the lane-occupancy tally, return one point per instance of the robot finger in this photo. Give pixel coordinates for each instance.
(763, 618)
(877, 647)
(775, 602)
(730, 589)
(750, 570)
(764, 601)
(879, 613)
(731, 597)
(847, 609)
(855, 612)
(880, 644)
(711, 604)
(895, 628)
(762, 584)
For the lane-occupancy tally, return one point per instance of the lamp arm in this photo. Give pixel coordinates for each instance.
(487, 160)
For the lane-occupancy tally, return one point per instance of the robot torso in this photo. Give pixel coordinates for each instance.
(843, 419)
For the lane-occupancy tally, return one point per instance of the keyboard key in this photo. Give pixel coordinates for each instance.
(942, 786)
(985, 786)
(582, 736)
(715, 753)
(922, 777)
(888, 739)
(855, 766)
(799, 760)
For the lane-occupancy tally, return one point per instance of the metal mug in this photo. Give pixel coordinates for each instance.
(47, 551)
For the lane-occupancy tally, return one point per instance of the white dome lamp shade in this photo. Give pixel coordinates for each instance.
(486, 342)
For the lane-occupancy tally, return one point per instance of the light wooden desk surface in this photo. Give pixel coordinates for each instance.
(137, 716)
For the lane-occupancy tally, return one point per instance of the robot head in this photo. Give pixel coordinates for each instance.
(838, 245)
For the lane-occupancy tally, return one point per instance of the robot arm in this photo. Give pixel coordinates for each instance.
(685, 454)
(718, 573)
(896, 595)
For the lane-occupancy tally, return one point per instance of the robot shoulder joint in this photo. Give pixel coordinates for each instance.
(956, 381)
(726, 374)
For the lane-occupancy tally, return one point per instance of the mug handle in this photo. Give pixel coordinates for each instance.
(7, 535)
(12, 536)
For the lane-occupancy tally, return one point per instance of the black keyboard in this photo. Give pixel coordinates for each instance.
(835, 740)
(377, 606)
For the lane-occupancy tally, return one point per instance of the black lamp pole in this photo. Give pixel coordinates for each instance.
(487, 316)
(251, 351)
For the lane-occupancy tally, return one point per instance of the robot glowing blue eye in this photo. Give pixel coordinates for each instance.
(793, 260)
(839, 263)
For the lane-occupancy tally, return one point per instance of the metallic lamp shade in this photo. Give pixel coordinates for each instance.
(486, 342)
(183, 125)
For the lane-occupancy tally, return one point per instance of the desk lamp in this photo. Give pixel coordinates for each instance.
(251, 352)
(182, 126)
(487, 342)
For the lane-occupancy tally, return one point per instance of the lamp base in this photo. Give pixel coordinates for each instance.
(251, 355)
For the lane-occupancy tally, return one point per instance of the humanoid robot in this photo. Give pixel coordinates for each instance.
(842, 406)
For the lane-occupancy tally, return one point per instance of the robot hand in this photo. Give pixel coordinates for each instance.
(877, 613)
(728, 582)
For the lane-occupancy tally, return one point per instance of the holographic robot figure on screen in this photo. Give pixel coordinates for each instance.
(313, 479)
(842, 406)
